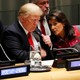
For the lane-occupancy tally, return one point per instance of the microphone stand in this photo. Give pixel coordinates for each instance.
(6, 63)
(57, 49)
(55, 64)
(5, 53)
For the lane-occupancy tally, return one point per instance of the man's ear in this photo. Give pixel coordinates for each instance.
(21, 18)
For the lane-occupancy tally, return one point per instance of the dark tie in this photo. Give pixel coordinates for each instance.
(42, 27)
(30, 40)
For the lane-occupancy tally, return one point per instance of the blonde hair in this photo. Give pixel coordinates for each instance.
(30, 8)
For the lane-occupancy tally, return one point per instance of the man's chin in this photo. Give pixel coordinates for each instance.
(46, 12)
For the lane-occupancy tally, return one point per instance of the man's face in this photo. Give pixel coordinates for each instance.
(30, 22)
(44, 5)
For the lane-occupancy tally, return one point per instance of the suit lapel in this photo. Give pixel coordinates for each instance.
(37, 37)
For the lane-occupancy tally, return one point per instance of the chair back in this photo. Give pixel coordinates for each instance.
(77, 30)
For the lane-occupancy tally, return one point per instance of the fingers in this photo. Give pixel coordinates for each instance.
(42, 35)
(46, 39)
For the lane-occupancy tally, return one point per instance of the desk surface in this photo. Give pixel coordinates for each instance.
(54, 74)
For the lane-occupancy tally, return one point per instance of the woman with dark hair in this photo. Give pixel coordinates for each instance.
(64, 35)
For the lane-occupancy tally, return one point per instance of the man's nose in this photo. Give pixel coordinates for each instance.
(47, 5)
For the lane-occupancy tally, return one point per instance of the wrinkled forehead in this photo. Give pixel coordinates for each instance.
(42, 1)
(34, 16)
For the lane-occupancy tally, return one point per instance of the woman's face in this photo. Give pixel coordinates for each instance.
(57, 27)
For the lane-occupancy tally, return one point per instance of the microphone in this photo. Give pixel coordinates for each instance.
(67, 55)
(57, 49)
(5, 53)
(6, 63)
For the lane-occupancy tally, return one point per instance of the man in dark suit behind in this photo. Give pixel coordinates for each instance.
(15, 37)
(43, 22)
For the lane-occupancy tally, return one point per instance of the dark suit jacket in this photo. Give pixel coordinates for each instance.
(15, 43)
(44, 46)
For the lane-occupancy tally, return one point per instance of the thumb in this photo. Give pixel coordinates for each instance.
(42, 35)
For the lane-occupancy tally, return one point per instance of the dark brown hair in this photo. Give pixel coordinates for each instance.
(61, 17)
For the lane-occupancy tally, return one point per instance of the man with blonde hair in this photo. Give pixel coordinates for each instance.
(15, 38)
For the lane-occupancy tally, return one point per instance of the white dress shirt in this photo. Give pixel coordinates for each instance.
(46, 27)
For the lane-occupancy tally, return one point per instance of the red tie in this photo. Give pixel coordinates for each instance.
(42, 27)
(30, 40)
